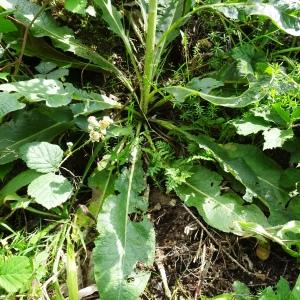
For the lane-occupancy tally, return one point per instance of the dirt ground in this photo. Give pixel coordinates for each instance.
(196, 260)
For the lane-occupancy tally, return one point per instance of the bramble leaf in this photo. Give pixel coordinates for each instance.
(50, 190)
(15, 272)
(42, 156)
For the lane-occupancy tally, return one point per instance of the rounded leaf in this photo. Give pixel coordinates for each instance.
(50, 190)
(42, 156)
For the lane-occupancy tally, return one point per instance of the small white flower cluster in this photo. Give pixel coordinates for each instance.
(97, 128)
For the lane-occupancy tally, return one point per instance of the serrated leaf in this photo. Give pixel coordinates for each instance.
(293, 146)
(37, 125)
(15, 272)
(124, 244)
(34, 90)
(281, 15)
(50, 190)
(202, 190)
(275, 137)
(255, 92)
(9, 103)
(42, 156)
(250, 125)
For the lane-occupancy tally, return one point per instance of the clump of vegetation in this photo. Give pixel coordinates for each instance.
(192, 111)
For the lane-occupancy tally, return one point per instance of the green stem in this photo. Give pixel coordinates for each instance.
(149, 54)
(293, 49)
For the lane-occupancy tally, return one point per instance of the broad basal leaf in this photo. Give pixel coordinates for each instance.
(62, 37)
(257, 172)
(255, 92)
(50, 190)
(9, 103)
(282, 15)
(125, 246)
(222, 211)
(34, 90)
(37, 125)
(42, 156)
(15, 272)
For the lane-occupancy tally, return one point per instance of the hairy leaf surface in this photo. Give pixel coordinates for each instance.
(124, 243)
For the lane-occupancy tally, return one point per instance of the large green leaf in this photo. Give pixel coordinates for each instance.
(50, 190)
(9, 103)
(222, 211)
(37, 125)
(17, 182)
(42, 156)
(125, 247)
(62, 37)
(255, 92)
(257, 172)
(34, 90)
(15, 272)
(7, 25)
(280, 13)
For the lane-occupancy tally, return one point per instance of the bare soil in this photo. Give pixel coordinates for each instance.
(196, 260)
